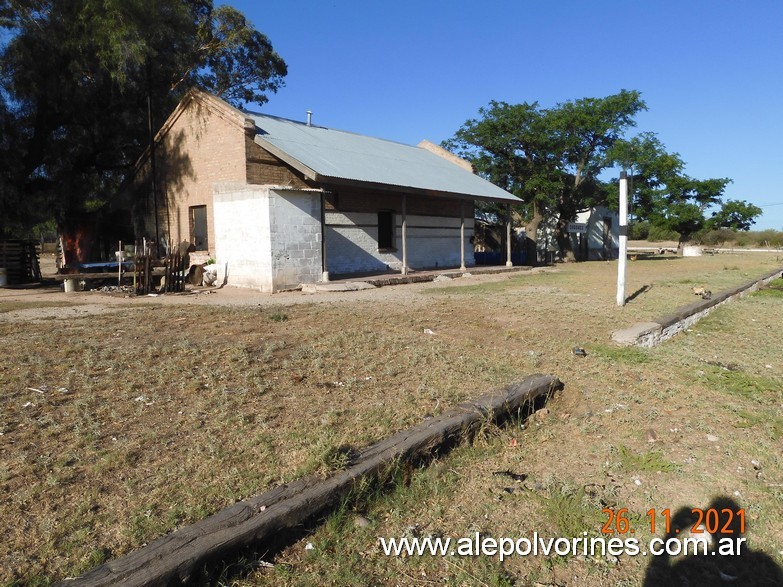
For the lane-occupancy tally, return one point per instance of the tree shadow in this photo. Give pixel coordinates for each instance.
(159, 213)
(724, 557)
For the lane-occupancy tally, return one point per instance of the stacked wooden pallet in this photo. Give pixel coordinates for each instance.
(20, 260)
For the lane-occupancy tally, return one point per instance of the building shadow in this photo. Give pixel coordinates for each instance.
(724, 557)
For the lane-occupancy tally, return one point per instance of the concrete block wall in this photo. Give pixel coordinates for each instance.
(433, 241)
(295, 237)
(271, 240)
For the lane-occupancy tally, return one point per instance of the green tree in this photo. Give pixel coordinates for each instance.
(550, 158)
(667, 199)
(585, 131)
(650, 169)
(75, 79)
(683, 208)
(736, 215)
(509, 145)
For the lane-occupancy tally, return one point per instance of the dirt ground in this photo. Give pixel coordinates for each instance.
(51, 302)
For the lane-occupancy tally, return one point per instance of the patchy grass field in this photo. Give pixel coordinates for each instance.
(119, 427)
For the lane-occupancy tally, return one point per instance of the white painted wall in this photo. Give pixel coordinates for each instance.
(242, 239)
(270, 239)
(433, 241)
(595, 231)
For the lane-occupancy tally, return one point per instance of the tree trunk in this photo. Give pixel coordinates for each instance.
(565, 215)
(564, 241)
(531, 235)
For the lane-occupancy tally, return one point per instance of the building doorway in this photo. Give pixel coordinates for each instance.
(198, 228)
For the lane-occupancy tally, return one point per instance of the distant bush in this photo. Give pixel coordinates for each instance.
(709, 237)
(715, 237)
(639, 231)
(769, 237)
(755, 238)
(658, 233)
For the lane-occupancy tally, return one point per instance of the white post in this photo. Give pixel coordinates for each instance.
(119, 264)
(324, 266)
(404, 234)
(462, 236)
(623, 257)
(508, 236)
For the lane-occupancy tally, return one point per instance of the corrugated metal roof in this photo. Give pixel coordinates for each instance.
(324, 154)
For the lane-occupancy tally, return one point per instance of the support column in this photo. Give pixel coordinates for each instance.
(462, 235)
(404, 235)
(508, 236)
(623, 258)
(324, 268)
(153, 165)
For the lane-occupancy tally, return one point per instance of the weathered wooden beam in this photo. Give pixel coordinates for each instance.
(260, 519)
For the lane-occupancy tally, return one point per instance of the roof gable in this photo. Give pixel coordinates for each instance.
(332, 156)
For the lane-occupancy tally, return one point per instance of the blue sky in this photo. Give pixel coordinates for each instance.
(711, 72)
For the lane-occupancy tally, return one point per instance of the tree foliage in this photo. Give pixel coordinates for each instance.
(736, 215)
(650, 169)
(510, 146)
(549, 157)
(683, 207)
(586, 130)
(75, 78)
(553, 159)
(667, 199)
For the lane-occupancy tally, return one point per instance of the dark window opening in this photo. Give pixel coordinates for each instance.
(198, 228)
(607, 237)
(385, 230)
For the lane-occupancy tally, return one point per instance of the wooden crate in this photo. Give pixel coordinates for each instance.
(20, 260)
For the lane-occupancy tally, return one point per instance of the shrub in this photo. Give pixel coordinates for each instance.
(714, 237)
(639, 231)
(658, 233)
(769, 237)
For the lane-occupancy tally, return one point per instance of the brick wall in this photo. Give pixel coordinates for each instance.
(352, 200)
(201, 148)
(263, 168)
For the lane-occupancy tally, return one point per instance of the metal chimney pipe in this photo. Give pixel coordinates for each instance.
(309, 118)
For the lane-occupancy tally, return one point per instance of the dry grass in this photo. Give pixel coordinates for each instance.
(593, 451)
(120, 427)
